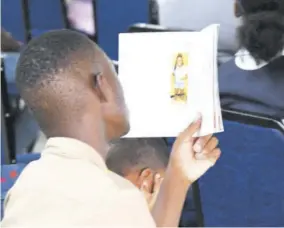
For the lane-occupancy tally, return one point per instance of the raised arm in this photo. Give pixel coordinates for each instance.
(190, 159)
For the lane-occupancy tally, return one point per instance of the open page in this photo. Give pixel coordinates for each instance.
(168, 78)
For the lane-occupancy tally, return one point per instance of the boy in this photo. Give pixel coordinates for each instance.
(142, 161)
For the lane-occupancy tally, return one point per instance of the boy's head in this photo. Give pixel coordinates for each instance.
(138, 160)
(72, 88)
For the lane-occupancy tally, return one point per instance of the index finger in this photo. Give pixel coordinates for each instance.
(157, 183)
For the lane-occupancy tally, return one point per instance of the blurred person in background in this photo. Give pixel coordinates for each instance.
(81, 15)
(8, 43)
(143, 161)
(197, 14)
(154, 12)
(254, 81)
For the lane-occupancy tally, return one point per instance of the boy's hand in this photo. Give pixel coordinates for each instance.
(192, 157)
(152, 196)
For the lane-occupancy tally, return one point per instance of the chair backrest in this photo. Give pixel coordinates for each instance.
(9, 175)
(9, 62)
(5, 159)
(143, 27)
(245, 187)
(19, 127)
(12, 18)
(27, 158)
(43, 16)
(114, 17)
(7, 129)
(26, 19)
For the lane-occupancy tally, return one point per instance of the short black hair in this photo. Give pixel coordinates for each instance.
(48, 72)
(262, 29)
(255, 6)
(137, 153)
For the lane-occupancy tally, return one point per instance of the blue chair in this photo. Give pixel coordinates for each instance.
(21, 126)
(5, 148)
(10, 61)
(7, 120)
(26, 131)
(27, 158)
(5, 158)
(114, 17)
(245, 187)
(46, 15)
(9, 175)
(12, 18)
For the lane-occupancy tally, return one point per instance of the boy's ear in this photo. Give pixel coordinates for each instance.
(97, 82)
(103, 88)
(146, 178)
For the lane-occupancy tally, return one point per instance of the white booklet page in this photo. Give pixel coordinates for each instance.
(168, 78)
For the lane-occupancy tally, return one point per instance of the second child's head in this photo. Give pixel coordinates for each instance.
(262, 29)
(138, 160)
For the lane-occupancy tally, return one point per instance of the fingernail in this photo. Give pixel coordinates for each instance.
(145, 185)
(197, 148)
(158, 176)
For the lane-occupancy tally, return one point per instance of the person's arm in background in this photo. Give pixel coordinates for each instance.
(190, 159)
(8, 43)
(154, 12)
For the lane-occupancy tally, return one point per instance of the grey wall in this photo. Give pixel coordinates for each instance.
(197, 14)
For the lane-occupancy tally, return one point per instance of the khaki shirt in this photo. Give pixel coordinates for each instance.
(70, 186)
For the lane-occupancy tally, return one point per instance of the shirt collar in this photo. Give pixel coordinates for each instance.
(245, 61)
(73, 149)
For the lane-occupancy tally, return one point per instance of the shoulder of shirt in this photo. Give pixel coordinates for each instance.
(245, 61)
(106, 178)
(120, 182)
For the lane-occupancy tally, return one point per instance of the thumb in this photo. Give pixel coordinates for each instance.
(187, 134)
(145, 189)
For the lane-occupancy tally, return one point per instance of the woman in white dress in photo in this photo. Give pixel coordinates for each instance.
(180, 75)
